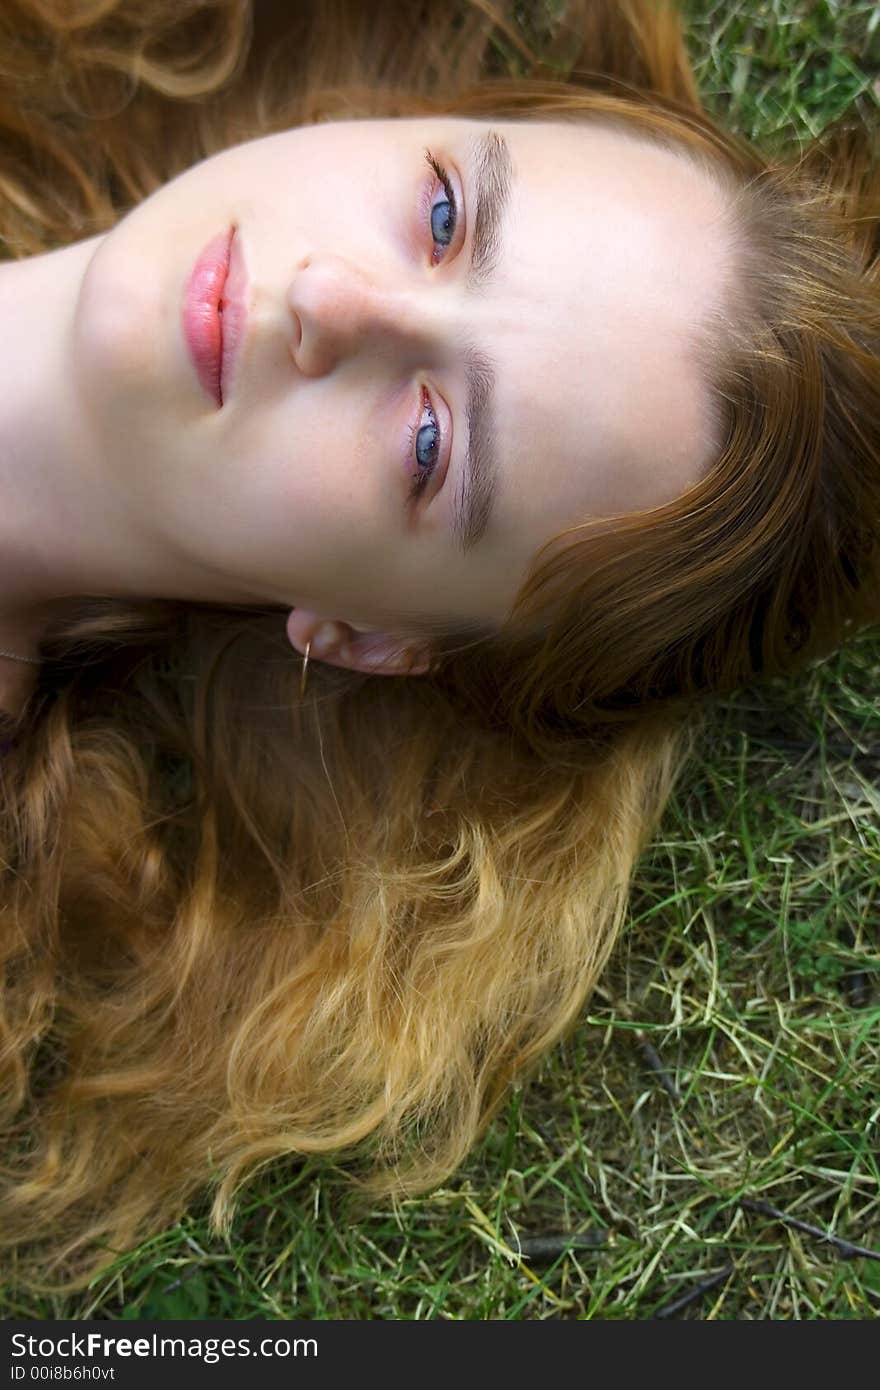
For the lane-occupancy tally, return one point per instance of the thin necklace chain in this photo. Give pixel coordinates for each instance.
(13, 656)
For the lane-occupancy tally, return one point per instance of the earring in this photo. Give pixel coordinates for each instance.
(302, 683)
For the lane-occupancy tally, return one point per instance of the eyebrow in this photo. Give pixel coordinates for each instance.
(491, 175)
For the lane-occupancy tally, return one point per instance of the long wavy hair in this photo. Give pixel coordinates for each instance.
(238, 924)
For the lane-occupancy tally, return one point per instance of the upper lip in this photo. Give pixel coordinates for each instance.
(233, 313)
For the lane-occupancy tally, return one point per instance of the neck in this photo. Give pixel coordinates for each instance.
(43, 447)
(47, 473)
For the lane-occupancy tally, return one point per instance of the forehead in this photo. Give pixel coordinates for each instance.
(611, 255)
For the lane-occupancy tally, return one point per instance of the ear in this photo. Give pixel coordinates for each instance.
(355, 648)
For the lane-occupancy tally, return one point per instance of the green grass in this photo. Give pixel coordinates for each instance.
(726, 1075)
(782, 67)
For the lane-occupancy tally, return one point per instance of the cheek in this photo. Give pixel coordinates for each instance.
(316, 468)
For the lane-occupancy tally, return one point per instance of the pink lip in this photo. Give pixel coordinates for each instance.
(214, 316)
(233, 314)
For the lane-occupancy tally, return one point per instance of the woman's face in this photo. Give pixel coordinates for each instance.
(532, 345)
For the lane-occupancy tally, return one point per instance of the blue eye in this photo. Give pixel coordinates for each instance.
(441, 218)
(427, 439)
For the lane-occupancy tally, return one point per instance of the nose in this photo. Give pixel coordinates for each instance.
(338, 309)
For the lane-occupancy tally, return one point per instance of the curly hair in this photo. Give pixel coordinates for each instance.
(239, 924)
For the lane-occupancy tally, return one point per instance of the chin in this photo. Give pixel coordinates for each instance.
(119, 328)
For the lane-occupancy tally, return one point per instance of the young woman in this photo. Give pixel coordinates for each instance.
(397, 457)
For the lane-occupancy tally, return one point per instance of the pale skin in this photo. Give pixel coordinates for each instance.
(120, 477)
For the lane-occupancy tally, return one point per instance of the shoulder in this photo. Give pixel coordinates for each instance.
(7, 728)
(16, 684)
(7, 738)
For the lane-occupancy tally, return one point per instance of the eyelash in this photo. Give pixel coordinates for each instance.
(424, 474)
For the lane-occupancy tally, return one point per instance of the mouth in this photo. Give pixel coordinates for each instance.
(214, 317)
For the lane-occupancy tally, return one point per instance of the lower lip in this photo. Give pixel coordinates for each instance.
(202, 320)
